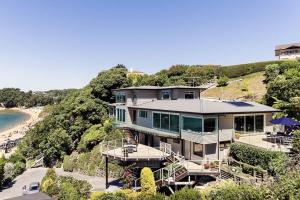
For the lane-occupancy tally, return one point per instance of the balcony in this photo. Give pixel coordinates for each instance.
(207, 137)
(151, 131)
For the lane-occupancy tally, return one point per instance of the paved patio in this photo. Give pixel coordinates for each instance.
(260, 141)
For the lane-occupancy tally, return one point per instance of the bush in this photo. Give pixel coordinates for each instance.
(2, 164)
(186, 193)
(68, 164)
(234, 71)
(147, 181)
(253, 155)
(68, 192)
(223, 81)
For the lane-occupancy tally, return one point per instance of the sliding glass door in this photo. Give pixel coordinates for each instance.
(249, 124)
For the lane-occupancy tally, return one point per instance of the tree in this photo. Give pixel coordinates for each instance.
(223, 81)
(147, 181)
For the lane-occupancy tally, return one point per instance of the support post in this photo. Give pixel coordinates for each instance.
(106, 172)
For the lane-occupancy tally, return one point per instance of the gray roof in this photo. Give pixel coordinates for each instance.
(205, 106)
(286, 46)
(159, 88)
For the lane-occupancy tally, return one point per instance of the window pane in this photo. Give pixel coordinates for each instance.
(143, 114)
(210, 148)
(239, 123)
(209, 124)
(123, 115)
(165, 122)
(192, 124)
(156, 120)
(198, 149)
(174, 123)
(259, 123)
(189, 95)
(250, 123)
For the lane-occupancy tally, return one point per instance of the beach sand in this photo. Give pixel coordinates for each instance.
(19, 131)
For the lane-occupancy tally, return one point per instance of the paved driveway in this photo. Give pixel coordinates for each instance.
(30, 175)
(37, 174)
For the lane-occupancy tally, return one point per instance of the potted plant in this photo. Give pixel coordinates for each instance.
(237, 135)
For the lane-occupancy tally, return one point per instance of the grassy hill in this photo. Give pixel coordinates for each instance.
(249, 87)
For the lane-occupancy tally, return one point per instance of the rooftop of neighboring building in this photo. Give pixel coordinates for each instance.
(287, 46)
(206, 106)
(158, 87)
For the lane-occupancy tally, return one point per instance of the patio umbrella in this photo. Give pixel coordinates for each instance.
(285, 121)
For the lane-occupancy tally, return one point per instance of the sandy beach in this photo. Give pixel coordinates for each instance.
(20, 129)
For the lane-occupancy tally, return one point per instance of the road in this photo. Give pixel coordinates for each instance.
(37, 174)
(30, 175)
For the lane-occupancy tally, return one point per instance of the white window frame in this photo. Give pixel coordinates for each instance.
(202, 117)
(165, 92)
(140, 116)
(189, 92)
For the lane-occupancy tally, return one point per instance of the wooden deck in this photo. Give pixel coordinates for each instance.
(142, 153)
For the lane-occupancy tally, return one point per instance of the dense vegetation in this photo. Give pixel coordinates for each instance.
(77, 122)
(64, 187)
(283, 87)
(13, 97)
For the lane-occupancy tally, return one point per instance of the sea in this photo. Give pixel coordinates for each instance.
(9, 119)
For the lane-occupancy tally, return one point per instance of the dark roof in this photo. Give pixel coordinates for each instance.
(36, 196)
(286, 46)
(206, 106)
(158, 88)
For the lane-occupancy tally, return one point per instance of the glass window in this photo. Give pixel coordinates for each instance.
(120, 97)
(120, 115)
(165, 121)
(166, 95)
(250, 123)
(156, 120)
(143, 114)
(189, 95)
(174, 123)
(198, 149)
(210, 148)
(210, 124)
(192, 124)
(259, 123)
(239, 123)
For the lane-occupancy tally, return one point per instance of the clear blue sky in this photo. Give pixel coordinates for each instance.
(48, 44)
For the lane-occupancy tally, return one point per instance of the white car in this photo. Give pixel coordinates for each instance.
(34, 187)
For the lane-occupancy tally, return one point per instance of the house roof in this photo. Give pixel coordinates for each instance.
(205, 106)
(158, 88)
(286, 46)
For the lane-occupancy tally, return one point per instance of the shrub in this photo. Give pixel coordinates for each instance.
(223, 81)
(68, 164)
(68, 192)
(19, 168)
(186, 193)
(49, 183)
(2, 164)
(296, 142)
(96, 195)
(147, 181)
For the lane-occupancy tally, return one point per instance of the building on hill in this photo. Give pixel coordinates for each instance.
(135, 72)
(173, 124)
(288, 51)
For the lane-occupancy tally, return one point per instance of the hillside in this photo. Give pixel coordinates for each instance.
(250, 87)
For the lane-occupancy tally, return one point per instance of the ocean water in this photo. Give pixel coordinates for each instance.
(10, 119)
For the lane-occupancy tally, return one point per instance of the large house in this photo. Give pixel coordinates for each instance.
(175, 124)
(288, 51)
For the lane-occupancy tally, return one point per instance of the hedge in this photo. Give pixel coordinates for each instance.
(234, 71)
(253, 155)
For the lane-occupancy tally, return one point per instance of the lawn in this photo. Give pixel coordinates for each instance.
(250, 87)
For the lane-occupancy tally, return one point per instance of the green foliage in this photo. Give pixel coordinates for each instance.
(245, 69)
(283, 87)
(223, 81)
(253, 155)
(68, 164)
(186, 193)
(64, 187)
(2, 164)
(296, 142)
(147, 181)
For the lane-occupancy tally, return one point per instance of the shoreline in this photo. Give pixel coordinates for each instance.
(19, 130)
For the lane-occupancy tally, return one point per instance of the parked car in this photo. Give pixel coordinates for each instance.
(34, 187)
